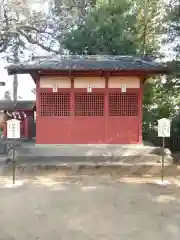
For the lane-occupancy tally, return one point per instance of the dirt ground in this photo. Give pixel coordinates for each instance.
(89, 208)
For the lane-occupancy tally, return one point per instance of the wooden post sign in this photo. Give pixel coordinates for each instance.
(164, 127)
(89, 88)
(123, 88)
(13, 129)
(13, 133)
(164, 130)
(55, 87)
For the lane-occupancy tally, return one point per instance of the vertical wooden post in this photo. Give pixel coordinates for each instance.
(14, 163)
(38, 102)
(5, 129)
(163, 148)
(140, 113)
(106, 108)
(26, 127)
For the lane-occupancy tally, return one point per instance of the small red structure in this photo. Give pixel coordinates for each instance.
(22, 110)
(89, 99)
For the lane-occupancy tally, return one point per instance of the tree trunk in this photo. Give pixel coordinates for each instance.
(15, 87)
(15, 77)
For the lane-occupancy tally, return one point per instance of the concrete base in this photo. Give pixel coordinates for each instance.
(30, 153)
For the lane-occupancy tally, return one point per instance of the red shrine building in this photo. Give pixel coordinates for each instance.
(22, 110)
(89, 99)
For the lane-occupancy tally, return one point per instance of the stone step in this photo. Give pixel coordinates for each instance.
(61, 160)
(88, 154)
(80, 169)
(86, 150)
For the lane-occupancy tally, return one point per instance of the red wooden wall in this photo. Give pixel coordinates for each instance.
(73, 116)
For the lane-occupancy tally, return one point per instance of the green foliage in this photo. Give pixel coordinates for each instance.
(173, 25)
(150, 16)
(175, 126)
(116, 28)
(149, 116)
(160, 100)
(105, 30)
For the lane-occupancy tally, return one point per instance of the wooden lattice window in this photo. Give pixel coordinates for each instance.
(123, 104)
(89, 104)
(55, 104)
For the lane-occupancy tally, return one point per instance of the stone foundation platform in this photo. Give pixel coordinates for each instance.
(91, 154)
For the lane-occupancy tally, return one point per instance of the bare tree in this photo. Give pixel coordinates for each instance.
(21, 25)
(33, 91)
(7, 95)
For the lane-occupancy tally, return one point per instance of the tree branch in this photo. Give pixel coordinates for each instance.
(32, 41)
(31, 28)
(4, 45)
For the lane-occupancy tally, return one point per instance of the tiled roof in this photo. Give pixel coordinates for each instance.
(19, 105)
(91, 63)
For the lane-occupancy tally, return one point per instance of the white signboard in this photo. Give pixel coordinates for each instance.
(123, 87)
(55, 87)
(89, 88)
(164, 127)
(13, 129)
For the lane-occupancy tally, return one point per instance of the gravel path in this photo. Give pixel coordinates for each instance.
(89, 209)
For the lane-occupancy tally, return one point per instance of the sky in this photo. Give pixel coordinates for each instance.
(25, 84)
